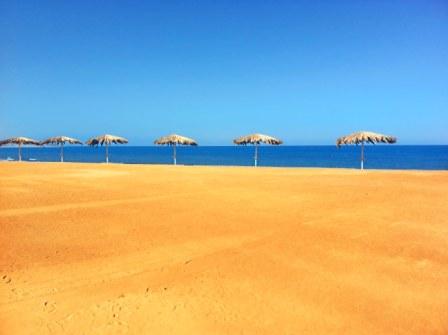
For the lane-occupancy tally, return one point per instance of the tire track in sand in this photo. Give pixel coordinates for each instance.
(90, 204)
(126, 266)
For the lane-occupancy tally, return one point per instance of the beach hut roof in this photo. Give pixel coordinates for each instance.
(365, 136)
(20, 141)
(257, 139)
(61, 140)
(175, 139)
(106, 139)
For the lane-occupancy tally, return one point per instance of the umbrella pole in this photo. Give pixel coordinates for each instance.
(62, 152)
(107, 152)
(20, 152)
(174, 154)
(256, 155)
(362, 155)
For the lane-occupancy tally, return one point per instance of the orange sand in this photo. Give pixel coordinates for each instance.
(121, 249)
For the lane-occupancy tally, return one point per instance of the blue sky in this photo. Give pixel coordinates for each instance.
(305, 71)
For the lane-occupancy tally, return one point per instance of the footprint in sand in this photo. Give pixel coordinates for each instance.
(49, 306)
(55, 327)
(14, 291)
(6, 279)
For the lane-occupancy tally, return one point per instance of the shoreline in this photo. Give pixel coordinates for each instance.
(300, 168)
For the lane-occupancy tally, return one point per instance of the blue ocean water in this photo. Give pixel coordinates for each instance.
(422, 157)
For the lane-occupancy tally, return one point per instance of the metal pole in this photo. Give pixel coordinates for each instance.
(107, 152)
(256, 155)
(362, 155)
(62, 152)
(174, 154)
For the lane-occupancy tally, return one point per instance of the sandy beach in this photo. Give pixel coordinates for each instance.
(134, 249)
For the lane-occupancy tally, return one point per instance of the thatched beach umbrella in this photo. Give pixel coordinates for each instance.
(175, 140)
(19, 141)
(256, 139)
(364, 137)
(61, 140)
(106, 140)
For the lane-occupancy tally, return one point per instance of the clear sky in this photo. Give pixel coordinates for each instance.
(305, 71)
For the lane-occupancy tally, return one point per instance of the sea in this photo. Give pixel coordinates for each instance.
(419, 157)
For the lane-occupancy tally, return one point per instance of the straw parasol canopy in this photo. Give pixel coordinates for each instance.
(106, 140)
(365, 137)
(61, 140)
(256, 139)
(175, 140)
(19, 141)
